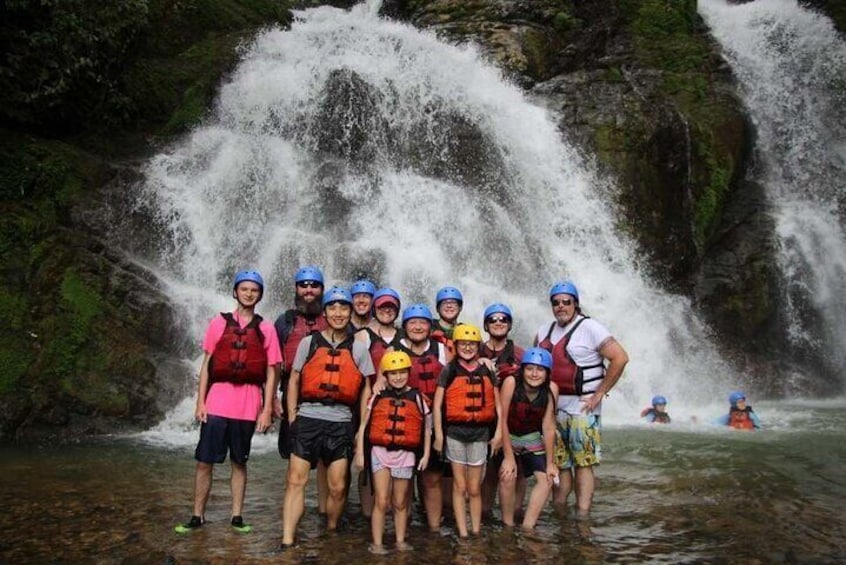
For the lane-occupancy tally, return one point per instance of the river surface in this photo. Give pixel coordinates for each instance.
(679, 493)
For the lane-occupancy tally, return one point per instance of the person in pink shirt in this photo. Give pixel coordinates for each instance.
(235, 395)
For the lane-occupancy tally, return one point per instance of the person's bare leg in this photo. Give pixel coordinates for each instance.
(459, 493)
(507, 495)
(238, 487)
(401, 500)
(474, 492)
(294, 504)
(537, 500)
(202, 487)
(433, 499)
(585, 486)
(336, 475)
(381, 502)
(322, 488)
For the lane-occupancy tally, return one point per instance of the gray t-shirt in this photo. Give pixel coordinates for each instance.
(331, 412)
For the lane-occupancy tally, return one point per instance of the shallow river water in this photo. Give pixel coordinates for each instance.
(680, 493)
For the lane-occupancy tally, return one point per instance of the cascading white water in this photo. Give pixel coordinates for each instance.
(253, 188)
(791, 64)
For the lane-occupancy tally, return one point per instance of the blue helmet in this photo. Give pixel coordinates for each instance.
(336, 294)
(417, 311)
(657, 400)
(386, 293)
(564, 287)
(308, 273)
(447, 293)
(537, 356)
(497, 308)
(736, 397)
(252, 276)
(363, 287)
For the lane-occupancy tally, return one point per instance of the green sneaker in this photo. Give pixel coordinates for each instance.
(194, 523)
(239, 526)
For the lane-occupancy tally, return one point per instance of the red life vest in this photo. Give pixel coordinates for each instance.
(330, 374)
(444, 335)
(526, 416)
(739, 419)
(507, 359)
(239, 356)
(397, 420)
(469, 396)
(660, 417)
(566, 373)
(292, 327)
(425, 369)
(379, 346)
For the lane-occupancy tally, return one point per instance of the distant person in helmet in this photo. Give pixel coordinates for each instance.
(580, 348)
(505, 355)
(448, 303)
(362, 292)
(740, 416)
(394, 441)
(466, 408)
(657, 413)
(330, 379)
(528, 435)
(234, 395)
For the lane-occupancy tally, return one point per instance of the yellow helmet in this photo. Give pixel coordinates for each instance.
(395, 361)
(466, 332)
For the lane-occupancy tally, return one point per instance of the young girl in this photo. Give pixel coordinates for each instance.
(396, 426)
(466, 409)
(528, 435)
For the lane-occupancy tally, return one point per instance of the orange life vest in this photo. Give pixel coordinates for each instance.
(397, 420)
(425, 369)
(239, 356)
(330, 374)
(740, 419)
(469, 396)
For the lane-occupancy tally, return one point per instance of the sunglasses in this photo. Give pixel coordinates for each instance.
(309, 284)
(498, 320)
(563, 302)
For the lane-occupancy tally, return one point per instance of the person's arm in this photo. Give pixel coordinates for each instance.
(358, 458)
(265, 418)
(427, 437)
(438, 416)
(509, 464)
(755, 420)
(200, 412)
(549, 440)
(292, 395)
(496, 441)
(277, 401)
(617, 360)
(362, 407)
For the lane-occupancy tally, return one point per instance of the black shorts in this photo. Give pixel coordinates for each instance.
(528, 463)
(219, 435)
(313, 440)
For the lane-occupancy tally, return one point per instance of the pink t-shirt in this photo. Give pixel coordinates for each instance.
(238, 401)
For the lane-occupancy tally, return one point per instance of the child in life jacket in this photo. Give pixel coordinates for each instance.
(740, 416)
(657, 413)
(528, 435)
(466, 409)
(395, 429)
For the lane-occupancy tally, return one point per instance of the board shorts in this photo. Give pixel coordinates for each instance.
(577, 441)
(220, 435)
(319, 440)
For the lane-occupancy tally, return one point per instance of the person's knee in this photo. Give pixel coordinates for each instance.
(431, 480)
(297, 478)
(204, 468)
(382, 501)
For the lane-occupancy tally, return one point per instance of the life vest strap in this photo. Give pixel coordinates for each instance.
(332, 367)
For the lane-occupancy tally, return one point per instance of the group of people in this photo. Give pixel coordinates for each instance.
(740, 415)
(402, 394)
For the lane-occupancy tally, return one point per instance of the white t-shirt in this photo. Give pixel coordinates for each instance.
(583, 347)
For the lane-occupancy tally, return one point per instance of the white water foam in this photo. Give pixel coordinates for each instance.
(791, 64)
(241, 191)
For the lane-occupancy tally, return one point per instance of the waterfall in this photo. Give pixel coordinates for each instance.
(791, 65)
(364, 145)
